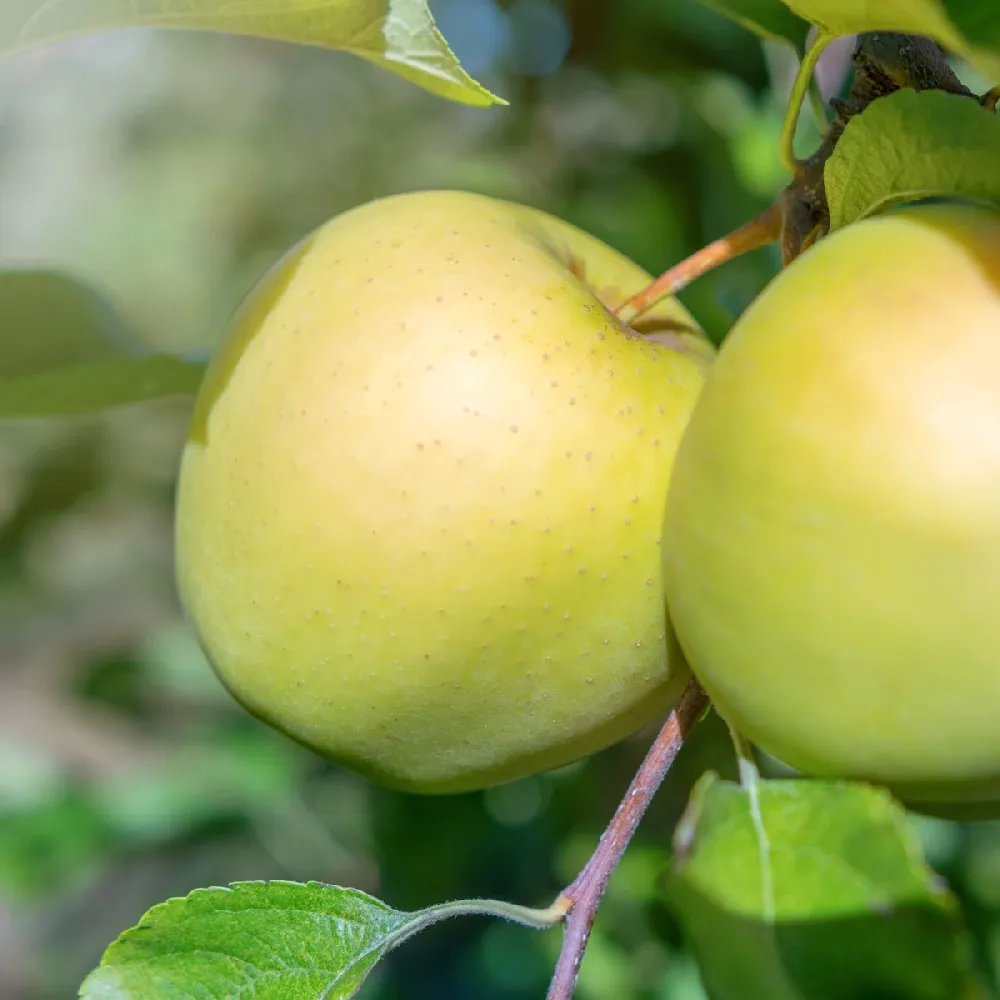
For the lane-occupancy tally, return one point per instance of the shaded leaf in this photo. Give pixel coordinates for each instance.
(770, 18)
(397, 34)
(270, 940)
(966, 27)
(89, 388)
(911, 145)
(813, 890)
(64, 351)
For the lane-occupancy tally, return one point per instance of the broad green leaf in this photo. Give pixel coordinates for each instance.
(770, 18)
(397, 34)
(911, 145)
(967, 27)
(269, 940)
(64, 351)
(846, 17)
(813, 890)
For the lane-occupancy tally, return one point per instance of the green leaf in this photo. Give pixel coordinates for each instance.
(813, 890)
(770, 18)
(397, 34)
(966, 27)
(846, 17)
(269, 940)
(911, 145)
(64, 351)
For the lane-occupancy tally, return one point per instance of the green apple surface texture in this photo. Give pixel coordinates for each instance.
(832, 539)
(420, 508)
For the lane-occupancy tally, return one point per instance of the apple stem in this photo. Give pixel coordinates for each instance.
(818, 105)
(800, 88)
(743, 750)
(752, 235)
(580, 900)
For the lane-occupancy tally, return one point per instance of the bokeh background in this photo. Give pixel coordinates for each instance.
(170, 170)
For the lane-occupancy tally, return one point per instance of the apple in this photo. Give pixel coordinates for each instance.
(832, 534)
(419, 509)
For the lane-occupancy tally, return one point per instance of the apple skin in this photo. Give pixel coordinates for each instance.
(832, 535)
(419, 510)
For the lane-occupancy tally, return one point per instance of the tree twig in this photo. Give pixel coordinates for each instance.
(580, 900)
(884, 62)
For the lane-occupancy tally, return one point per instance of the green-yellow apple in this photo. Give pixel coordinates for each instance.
(832, 538)
(419, 512)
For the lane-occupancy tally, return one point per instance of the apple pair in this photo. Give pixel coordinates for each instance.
(421, 511)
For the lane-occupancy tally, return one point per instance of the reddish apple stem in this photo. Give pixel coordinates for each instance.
(580, 900)
(756, 233)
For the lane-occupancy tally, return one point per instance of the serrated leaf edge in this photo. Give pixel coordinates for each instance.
(413, 922)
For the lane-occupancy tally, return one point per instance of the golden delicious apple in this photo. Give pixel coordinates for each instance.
(832, 539)
(419, 512)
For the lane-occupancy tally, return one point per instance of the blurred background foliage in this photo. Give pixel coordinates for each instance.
(169, 170)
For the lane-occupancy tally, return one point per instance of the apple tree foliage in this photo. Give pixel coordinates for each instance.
(789, 890)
